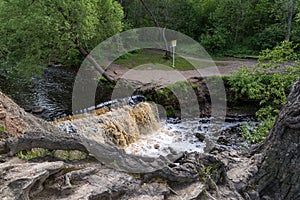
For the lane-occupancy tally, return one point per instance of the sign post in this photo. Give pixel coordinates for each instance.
(174, 42)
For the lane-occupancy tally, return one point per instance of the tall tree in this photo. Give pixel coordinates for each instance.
(289, 21)
(36, 33)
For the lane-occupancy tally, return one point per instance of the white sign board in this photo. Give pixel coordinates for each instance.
(174, 42)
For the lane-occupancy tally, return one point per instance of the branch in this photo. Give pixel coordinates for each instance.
(93, 61)
(150, 12)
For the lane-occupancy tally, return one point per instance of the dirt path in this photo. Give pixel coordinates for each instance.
(165, 77)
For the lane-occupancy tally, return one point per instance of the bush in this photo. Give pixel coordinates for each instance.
(270, 37)
(269, 83)
(215, 40)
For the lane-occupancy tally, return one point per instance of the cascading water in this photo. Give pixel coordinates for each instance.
(121, 126)
(106, 133)
(137, 130)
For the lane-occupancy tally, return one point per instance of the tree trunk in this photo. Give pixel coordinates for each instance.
(278, 176)
(289, 23)
(94, 63)
(161, 30)
(41, 140)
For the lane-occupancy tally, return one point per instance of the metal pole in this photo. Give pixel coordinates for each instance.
(173, 56)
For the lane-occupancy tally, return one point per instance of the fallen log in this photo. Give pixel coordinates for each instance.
(31, 140)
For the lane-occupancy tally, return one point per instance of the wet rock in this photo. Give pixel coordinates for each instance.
(239, 118)
(210, 145)
(230, 136)
(204, 120)
(191, 167)
(28, 109)
(200, 136)
(68, 128)
(223, 140)
(37, 109)
(156, 146)
(22, 181)
(173, 120)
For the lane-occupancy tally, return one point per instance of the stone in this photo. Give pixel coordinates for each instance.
(210, 145)
(156, 146)
(200, 137)
(2, 115)
(188, 191)
(37, 110)
(223, 140)
(22, 180)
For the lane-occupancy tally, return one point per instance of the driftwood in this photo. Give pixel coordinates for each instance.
(49, 141)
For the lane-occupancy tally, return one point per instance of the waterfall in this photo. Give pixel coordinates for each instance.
(121, 126)
(106, 132)
(124, 125)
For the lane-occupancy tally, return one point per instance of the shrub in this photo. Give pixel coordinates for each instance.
(269, 83)
(215, 40)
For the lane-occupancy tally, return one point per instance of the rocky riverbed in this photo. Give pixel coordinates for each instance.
(216, 173)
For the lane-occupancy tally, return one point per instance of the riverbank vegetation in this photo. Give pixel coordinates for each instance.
(269, 83)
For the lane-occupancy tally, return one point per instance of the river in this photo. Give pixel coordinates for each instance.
(52, 91)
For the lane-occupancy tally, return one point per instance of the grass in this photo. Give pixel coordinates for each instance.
(146, 60)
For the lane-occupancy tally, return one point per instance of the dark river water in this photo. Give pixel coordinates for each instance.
(53, 91)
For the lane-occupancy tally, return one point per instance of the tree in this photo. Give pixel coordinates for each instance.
(36, 33)
(289, 21)
(279, 173)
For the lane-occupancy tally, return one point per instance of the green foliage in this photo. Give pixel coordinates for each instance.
(37, 33)
(33, 153)
(40, 152)
(259, 133)
(170, 112)
(267, 38)
(103, 81)
(268, 83)
(2, 129)
(216, 40)
(242, 27)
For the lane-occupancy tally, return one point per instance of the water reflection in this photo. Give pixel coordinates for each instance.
(53, 91)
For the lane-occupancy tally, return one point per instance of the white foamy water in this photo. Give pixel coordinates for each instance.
(170, 138)
(180, 137)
